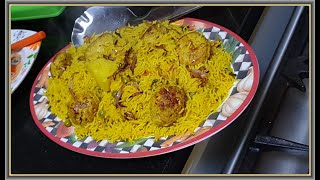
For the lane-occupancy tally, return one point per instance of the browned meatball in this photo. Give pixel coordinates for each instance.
(154, 32)
(193, 49)
(98, 46)
(168, 105)
(62, 61)
(83, 109)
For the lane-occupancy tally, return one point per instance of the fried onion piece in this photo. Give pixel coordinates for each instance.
(202, 74)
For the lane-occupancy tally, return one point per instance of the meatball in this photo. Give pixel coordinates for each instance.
(83, 109)
(154, 32)
(168, 105)
(97, 47)
(193, 49)
(62, 61)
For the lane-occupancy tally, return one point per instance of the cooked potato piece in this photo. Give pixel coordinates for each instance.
(101, 69)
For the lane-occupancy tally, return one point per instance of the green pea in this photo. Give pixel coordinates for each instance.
(114, 93)
(67, 123)
(102, 113)
(192, 94)
(154, 81)
(125, 80)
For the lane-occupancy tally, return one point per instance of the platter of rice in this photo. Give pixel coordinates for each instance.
(145, 90)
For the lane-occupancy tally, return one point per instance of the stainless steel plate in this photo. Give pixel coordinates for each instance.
(101, 19)
(98, 20)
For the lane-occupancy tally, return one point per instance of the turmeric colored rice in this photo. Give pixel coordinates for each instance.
(160, 59)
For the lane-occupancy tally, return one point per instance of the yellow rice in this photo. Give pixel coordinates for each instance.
(111, 125)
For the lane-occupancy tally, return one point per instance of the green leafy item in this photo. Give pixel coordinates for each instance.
(230, 47)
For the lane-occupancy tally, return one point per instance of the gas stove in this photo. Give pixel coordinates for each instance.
(272, 135)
